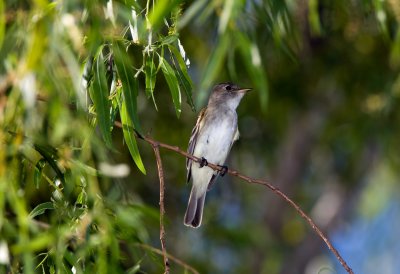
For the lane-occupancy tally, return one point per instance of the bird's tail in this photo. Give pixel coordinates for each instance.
(194, 211)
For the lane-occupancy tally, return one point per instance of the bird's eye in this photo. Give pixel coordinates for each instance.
(228, 87)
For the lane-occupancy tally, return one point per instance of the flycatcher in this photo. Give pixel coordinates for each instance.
(212, 137)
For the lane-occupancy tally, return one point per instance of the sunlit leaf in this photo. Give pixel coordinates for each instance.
(80, 198)
(167, 40)
(173, 84)
(160, 11)
(182, 75)
(129, 137)
(2, 22)
(193, 10)
(134, 269)
(99, 94)
(214, 65)
(313, 17)
(252, 61)
(227, 13)
(129, 82)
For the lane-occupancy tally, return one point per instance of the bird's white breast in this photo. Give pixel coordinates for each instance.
(216, 138)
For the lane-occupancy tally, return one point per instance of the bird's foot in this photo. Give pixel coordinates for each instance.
(223, 171)
(203, 162)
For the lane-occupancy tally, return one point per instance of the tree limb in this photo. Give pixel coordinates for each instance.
(252, 181)
(162, 209)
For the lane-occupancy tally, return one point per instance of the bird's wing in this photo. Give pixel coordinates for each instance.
(235, 137)
(193, 140)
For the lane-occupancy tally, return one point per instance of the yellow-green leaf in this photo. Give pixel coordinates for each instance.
(129, 137)
(129, 82)
(214, 65)
(253, 64)
(173, 84)
(99, 94)
(2, 22)
(182, 75)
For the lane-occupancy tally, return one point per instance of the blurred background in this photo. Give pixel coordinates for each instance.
(322, 123)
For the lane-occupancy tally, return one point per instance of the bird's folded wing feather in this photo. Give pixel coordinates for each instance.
(236, 136)
(193, 140)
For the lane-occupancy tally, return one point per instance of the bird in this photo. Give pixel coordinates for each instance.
(211, 140)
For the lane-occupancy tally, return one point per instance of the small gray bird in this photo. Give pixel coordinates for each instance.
(212, 138)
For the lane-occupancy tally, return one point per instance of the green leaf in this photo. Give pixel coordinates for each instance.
(129, 137)
(99, 94)
(182, 75)
(173, 84)
(214, 65)
(252, 61)
(134, 269)
(169, 39)
(38, 172)
(227, 14)
(151, 73)
(160, 11)
(40, 209)
(313, 17)
(395, 51)
(191, 12)
(129, 82)
(50, 155)
(2, 22)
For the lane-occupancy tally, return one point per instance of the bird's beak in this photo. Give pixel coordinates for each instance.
(244, 90)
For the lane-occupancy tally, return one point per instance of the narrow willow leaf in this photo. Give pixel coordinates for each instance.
(313, 17)
(193, 11)
(129, 137)
(151, 73)
(38, 172)
(99, 95)
(160, 11)
(173, 84)
(129, 82)
(40, 209)
(183, 76)
(252, 61)
(134, 269)
(226, 15)
(167, 40)
(79, 165)
(395, 51)
(214, 65)
(2, 22)
(50, 155)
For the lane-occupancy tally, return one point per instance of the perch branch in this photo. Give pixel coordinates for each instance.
(172, 258)
(156, 149)
(253, 181)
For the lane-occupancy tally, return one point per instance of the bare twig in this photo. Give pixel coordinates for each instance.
(253, 181)
(172, 258)
(156, 149)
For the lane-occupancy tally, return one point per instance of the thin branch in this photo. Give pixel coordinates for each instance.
(156, 149)
(253, 181)
(172, 258)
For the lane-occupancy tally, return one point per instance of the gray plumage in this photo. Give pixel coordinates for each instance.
(212, 138)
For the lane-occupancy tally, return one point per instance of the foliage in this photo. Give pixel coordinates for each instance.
(69, 70)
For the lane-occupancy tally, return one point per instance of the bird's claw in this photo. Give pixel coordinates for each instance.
(223, 171)
(203, 162)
